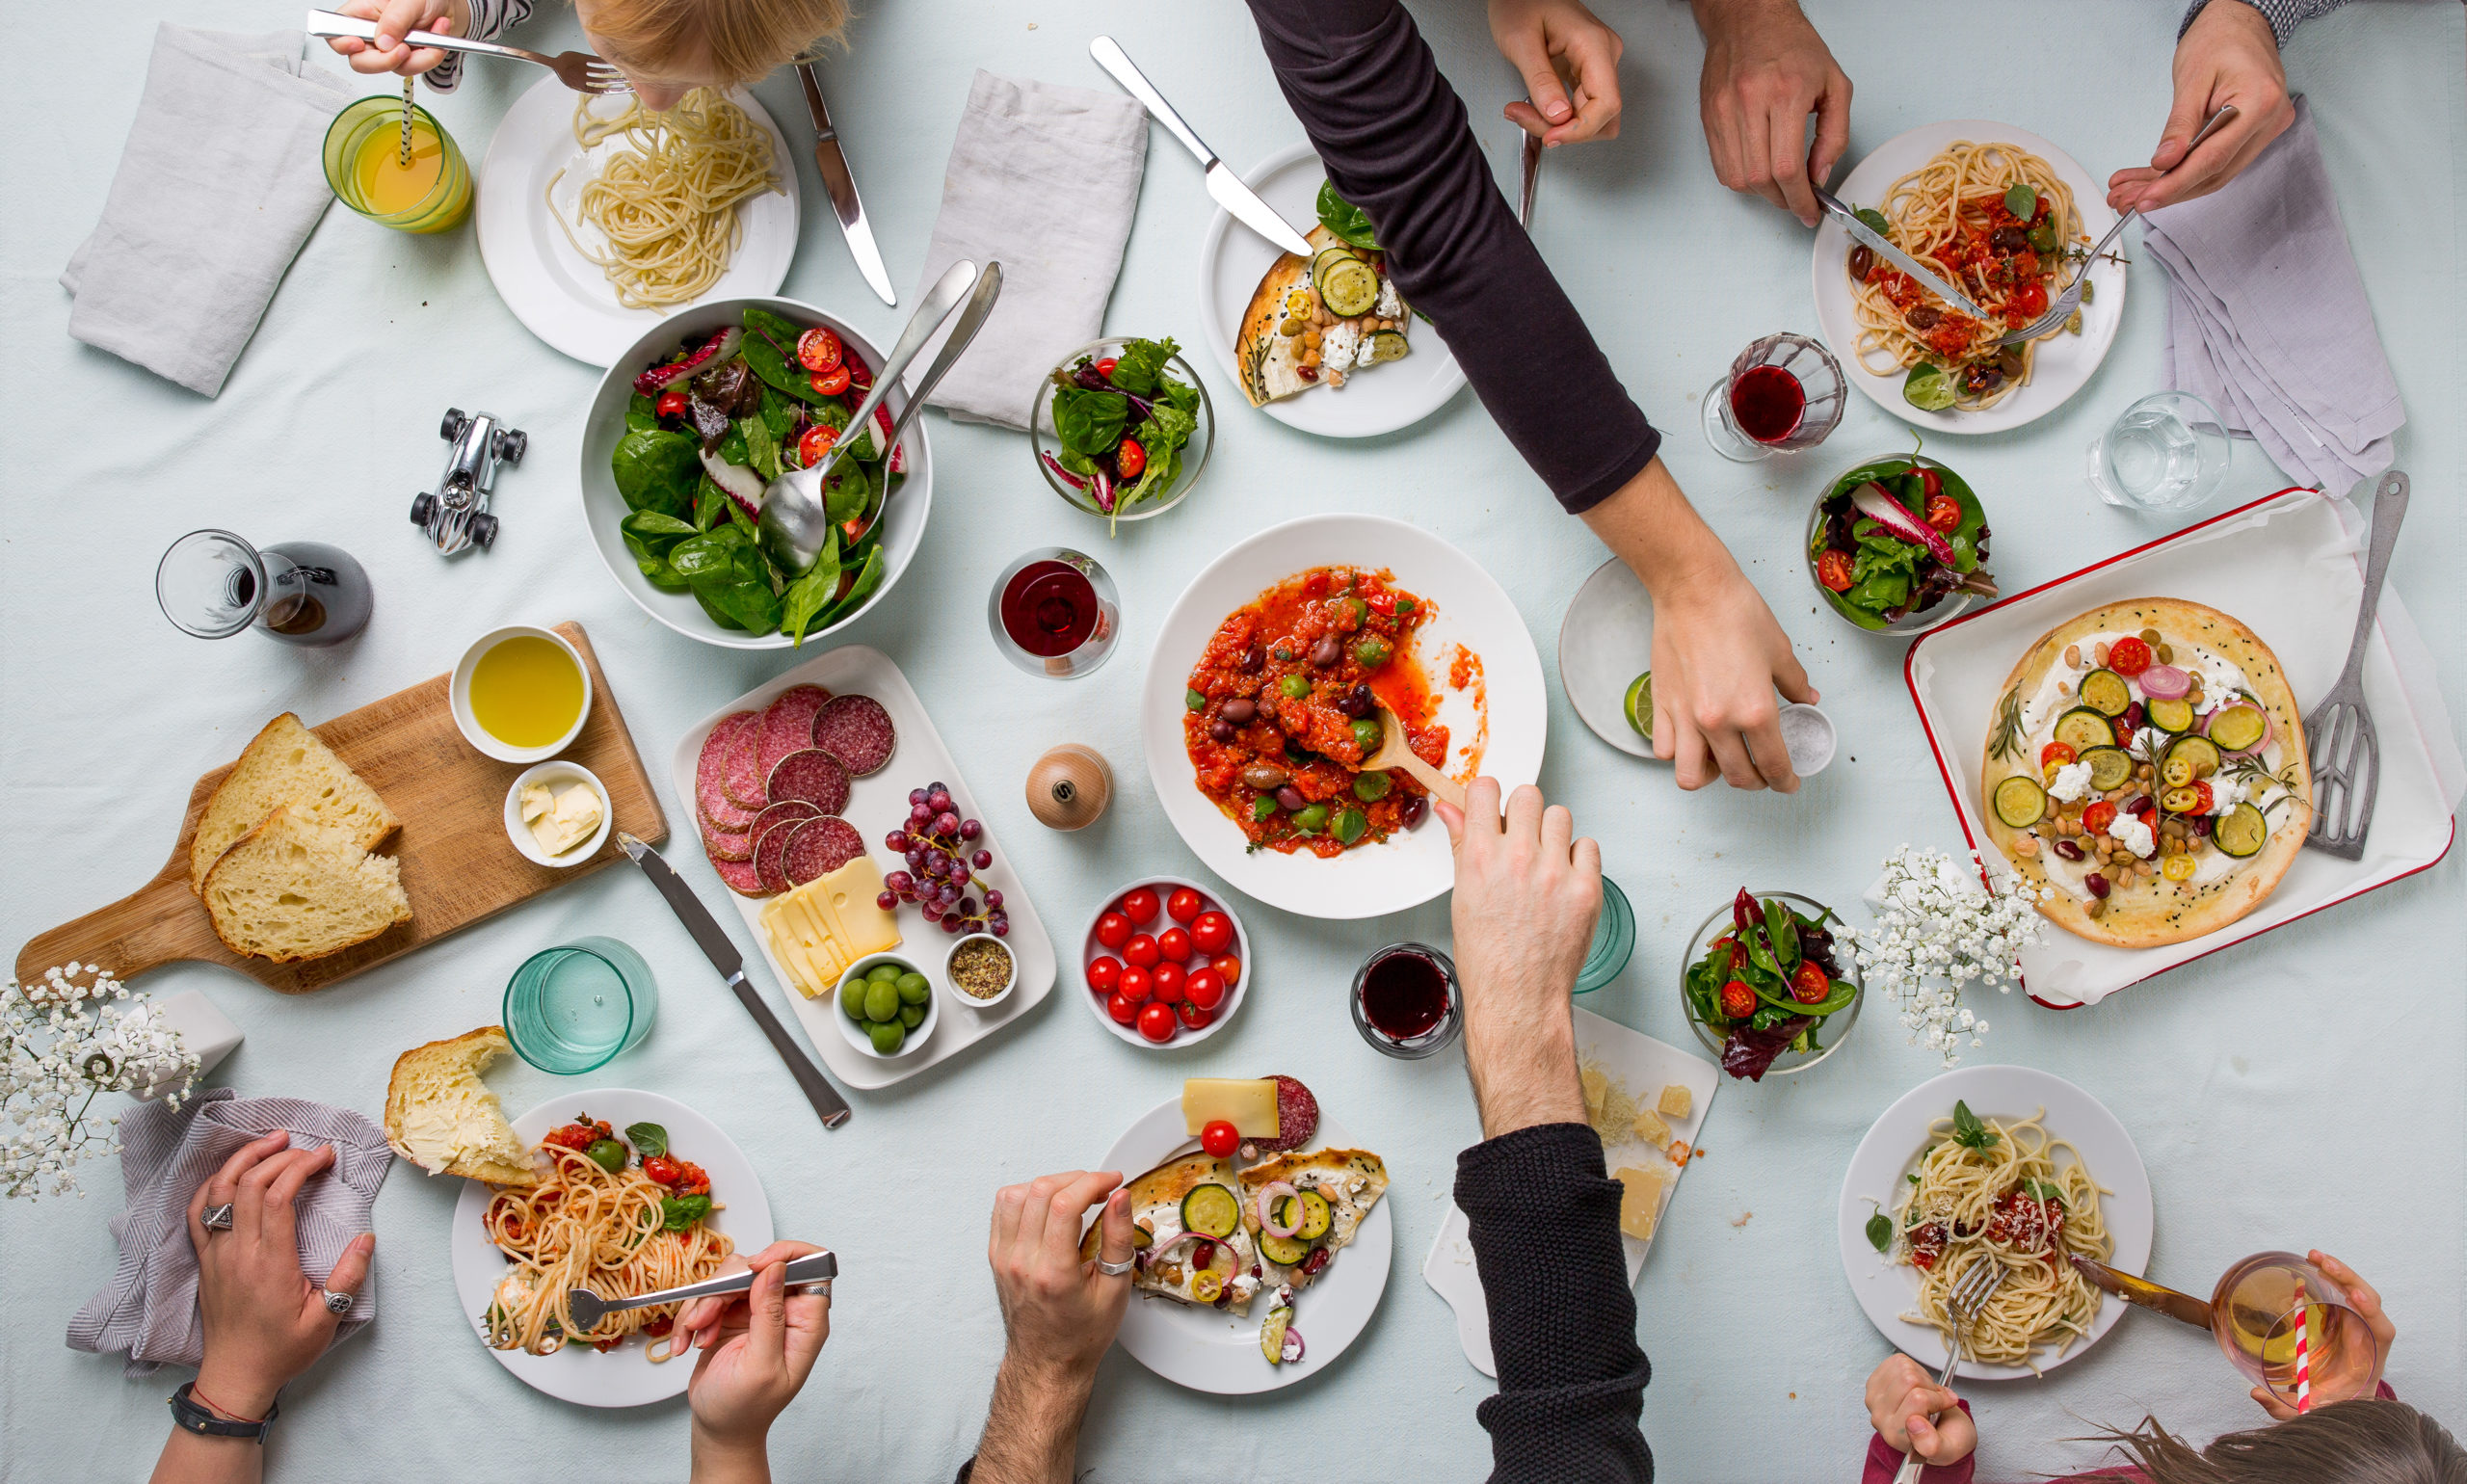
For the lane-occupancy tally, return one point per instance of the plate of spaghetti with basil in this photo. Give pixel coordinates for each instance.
(2008, 218)
(637, 1193)
(2004, 1165)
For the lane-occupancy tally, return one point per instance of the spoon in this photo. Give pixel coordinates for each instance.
(588, 1308)
(972, 319)
(1395, 753)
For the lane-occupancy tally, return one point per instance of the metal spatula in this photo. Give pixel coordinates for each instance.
(2344, 754)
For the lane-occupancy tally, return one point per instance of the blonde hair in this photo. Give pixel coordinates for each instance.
(2366, 1440)
(747, 40)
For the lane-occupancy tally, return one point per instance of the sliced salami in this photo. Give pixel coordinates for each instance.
(740, 877)
(720, 845)
(712, 767)
(726, 818)
(813, 776)
(787, 724)
(784, 813)
(771, 853)
(740, 779)
(857, 731)
(818, 847)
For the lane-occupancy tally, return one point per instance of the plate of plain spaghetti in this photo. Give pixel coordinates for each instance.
(597, 220)
(1993, 1164)
(638, 1193)
(2010, 218)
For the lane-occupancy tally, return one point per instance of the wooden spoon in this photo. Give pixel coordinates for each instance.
(1395, 753)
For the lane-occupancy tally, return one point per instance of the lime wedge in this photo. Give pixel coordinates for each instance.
(1640, 704)
(1928, 389)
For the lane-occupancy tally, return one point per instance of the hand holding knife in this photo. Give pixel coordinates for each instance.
(1875, 242)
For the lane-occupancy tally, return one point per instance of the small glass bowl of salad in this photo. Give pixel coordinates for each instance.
(1897, 545)
(1783, 1031)
(1122, 428)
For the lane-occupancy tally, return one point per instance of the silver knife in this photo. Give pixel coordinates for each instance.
(829, 158)
(1237, 198)
(1868, 236)
(721, 950)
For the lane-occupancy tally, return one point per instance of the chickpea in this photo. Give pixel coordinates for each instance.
(2095, 908)
(2142, 772)
(1310, 338)
(2027, 845)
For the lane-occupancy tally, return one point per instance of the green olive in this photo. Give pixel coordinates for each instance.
(913, 990)
(1312, 819)
(1371, 787)
(911, 1016)
(882, 999)
(1262, 808)
(886, 1037)
(852, 998)
(1358, 609)
(887, 974)
(607, 1153)
(1372, 651)
(1350, 823)
(1365, 734)
(1295, 686)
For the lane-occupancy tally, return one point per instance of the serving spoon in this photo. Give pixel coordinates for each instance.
(972, 319)
(1395, 753)
(588, 1308)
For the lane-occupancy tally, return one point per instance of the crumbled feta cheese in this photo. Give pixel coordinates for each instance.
(2219, 677)
(2134, 834)
(1339, 344)
(2071, 781)
(2225, 793)
(1391, 306)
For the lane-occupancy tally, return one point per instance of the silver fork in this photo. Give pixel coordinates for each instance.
(2071, 299)
(1970, 1294)
(816, 1269)
(579, 70)
(2339, 745)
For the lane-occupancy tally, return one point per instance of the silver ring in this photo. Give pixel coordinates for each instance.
(1115, 1269)
(217, 1218)
(340, 1304)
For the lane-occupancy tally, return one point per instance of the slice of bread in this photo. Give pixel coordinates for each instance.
(287, 766)
(440, 1116)
(290, 889)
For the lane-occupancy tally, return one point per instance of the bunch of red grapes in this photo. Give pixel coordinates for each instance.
(944, 854)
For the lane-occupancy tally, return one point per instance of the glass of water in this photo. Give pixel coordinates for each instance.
(2168, 452)
(573, 1008)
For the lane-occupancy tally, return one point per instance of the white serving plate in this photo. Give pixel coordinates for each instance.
(1210, 1350)
(1232, 260)
(1606, 641)
(875, 804)
(1643, 1066)
(626, 1376)
(1407, 869)
(562, 296)
(2286, 567)
(1090, 950)
(2063, 365)
(1874, 1181)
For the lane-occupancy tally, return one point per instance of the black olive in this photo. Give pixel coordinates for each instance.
(1925, 316)
(2010, 360)
(1253, 658)
(1240, 712)
(1327, 652)
(1863, 259)
(2008, 239)
(1221, 730)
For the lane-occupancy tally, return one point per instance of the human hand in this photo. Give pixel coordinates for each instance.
(1060, 1313)
(2367, 1307)
(396, 19)
(2228, 55)
(1902, 1396)
(1766, 70)
(757, 1349)
(1718, 657)
(265, 1322)
(1570, 61)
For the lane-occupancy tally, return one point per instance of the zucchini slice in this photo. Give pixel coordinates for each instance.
(2020, 801)
(1347, 286)
(1385, 345)
(1283, 1251)
(2111, 767)
(2105, 692)
(2239, 728)
(1211, 1210)
(1316, 1217)
(2240, 832)
(2188, 758)
(1272, 1333)
(2082, 728)
(2173, 716)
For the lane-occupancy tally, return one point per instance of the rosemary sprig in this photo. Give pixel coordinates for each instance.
(2006, 741)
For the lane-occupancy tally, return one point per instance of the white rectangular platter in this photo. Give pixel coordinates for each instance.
(875, 804)
(2286, 567)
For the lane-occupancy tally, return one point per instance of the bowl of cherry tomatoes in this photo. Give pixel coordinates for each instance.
(1165, 963)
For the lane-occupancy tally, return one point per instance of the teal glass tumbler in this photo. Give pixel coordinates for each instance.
(1614, 937)
(574, 1007)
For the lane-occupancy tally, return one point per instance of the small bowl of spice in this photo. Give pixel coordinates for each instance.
(981, 970)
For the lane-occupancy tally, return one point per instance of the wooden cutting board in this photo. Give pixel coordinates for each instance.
(458, 865)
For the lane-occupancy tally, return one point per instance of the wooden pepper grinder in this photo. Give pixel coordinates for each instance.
(1070, 788)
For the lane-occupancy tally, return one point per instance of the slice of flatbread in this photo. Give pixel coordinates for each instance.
(1350, 1179)
(1156, 1210)
(1271, 362)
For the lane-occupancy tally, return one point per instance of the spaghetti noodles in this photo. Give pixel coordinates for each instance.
(667, 203)
(1993, 1192)
(1997, 223)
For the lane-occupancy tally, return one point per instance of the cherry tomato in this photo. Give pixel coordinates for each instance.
(1833, 569)
(818, 350)
(1113, 930)
(1156, 1022)
(2129, 656)
(2030, 300)
(1183, 905)
(814, 442)
(1943, 513)
(1140, 950)
(1173, 945)
(1129, 459)
(660, 1170)
(1930, 483)
(1167, 980)
(1228, 969)
(671, 404)
(1135, 984)
(1106, 367)
(1220, 1139)
(1808, 984)
(2055, 752)
(1194, 1016)
(830, 383)
(1204, 987)
(1140, 907)
(1104, 975)
(2098, 817)
(1213, 932)
(1382, 601)
(1122, 1008)
(2209, 799)
(1738, 1001)
(2123, 730)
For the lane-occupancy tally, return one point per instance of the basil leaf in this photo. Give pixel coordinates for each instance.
(1345, 218)
(649, 1140)
(2042, 1190)
(1876, 220)
(678, 1213)
(1969, 1132)
(2022, 202)
(1880, 1230)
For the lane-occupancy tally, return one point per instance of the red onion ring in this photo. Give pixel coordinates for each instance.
(1885, 511)
(2166, 683)
(1269, 1194)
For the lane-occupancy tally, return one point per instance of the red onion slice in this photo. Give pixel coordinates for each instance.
(1885, 511)
(715, 350)
(1269, 1195)
(743, 485)
(2166, 683)
(1292, 1350)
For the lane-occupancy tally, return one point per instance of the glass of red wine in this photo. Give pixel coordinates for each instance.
(1405, 1000)
(213, 584)
(1054, 613)
(1784, 392)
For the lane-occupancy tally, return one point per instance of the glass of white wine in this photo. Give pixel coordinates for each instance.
(2254, 1314)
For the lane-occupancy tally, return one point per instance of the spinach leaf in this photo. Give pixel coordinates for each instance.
(769, 343)
(1089, 422)
(1880, 1230)
(651, 525)
(655, 470)
(649, 1140)
(811, 592)
(732, 450)
(1785, 934)
(761, 446)
(1969, 1132)
(1164, 433)
(1345, 218)
(778, 414)
(846, 490)
(868, 578)
(1141, 367)
(867, 446)
(710, 504)
(640, 413)
(678, 1213)
(1767, 1016)
(729, 577)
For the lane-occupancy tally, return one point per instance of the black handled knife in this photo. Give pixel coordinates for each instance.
(721, 950)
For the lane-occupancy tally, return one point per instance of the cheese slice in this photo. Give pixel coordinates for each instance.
(821, 928)
(1640, 1201)
(1248, 1104)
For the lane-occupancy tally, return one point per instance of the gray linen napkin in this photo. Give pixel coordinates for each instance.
(220, 183)
(150, 1307)
(1043, 180)
(2267, 319)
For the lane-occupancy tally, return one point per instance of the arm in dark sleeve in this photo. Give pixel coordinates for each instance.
(1544, 1224)
(1396, 141)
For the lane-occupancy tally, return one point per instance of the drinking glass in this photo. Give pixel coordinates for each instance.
(1614, 938)
(2168, 452)
(574, 1007)
(2253, 1312)
(212, 584)
(374, 124)
(1451, 1018)
(1783, 394)
(1055, 613)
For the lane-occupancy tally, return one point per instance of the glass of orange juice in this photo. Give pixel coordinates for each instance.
(364, 163)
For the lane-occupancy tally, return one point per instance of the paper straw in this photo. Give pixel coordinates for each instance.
(407, 123)
(2303, 1359)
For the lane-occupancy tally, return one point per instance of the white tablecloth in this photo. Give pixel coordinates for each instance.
(2306, 1089)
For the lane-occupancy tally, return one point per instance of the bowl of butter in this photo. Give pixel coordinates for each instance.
(557, 814)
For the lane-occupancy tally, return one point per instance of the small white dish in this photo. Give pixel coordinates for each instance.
(556, 774)
(1606, 641)
(863, 1043)
(962, 996)
(1091, 950)
(459, 695)
(1816, 742)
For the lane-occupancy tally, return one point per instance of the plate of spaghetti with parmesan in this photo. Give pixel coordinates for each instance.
(2009, 218)
(597, 218)
(2003, 1165)
(637, 1193)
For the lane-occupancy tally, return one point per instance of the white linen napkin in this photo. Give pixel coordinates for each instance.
(1043, 179)
(220, 183)
(2267, 319)
(150, 1307)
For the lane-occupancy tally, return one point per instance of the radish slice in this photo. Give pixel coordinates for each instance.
(2166, 683)
(743, 485)
(1891, 513)
(1269, 1195)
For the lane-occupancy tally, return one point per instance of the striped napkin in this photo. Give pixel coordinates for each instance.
(150, 1307)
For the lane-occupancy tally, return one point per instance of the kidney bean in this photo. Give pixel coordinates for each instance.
(2097, 884)
(2068, 850)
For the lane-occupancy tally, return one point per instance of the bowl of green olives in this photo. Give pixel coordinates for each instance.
(886, 1006)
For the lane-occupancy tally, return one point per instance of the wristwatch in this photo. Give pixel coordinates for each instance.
(196, 1418)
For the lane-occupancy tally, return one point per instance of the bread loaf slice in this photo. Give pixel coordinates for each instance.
(440, 1116)
(287, 766)
(291, 889)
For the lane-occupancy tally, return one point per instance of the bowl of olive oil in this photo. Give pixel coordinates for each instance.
(521, 694)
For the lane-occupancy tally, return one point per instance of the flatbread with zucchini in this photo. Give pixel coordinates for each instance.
(1334, 1189)
(1187, 1227)
(1311, 323)
(2146, 770)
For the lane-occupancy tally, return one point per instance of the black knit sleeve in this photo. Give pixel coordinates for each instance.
(1544, 1224)
(1396, 142)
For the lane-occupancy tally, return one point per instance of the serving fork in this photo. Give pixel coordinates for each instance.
(579, 70)
(2339, 745)
(814, 1269)
(1970, 1294)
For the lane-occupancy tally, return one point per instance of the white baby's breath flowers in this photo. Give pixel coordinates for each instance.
(76, 1034)
(1937, 933)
